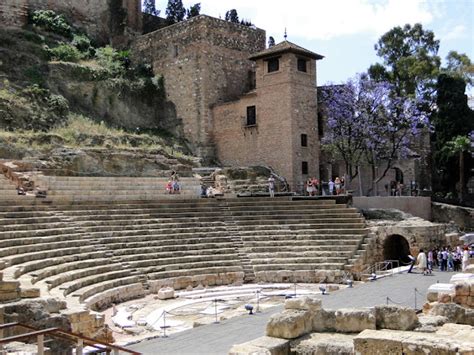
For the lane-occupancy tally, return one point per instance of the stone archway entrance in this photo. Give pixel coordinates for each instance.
(396, 247)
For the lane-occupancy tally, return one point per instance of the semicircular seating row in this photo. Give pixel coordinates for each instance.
(102, 252)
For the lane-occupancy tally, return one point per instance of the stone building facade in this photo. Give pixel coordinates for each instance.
(107, 21)
(274, 124)
(204, 61)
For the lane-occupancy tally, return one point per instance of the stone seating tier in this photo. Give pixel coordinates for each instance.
(95, 253)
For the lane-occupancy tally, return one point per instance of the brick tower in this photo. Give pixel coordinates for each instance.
(276, 123)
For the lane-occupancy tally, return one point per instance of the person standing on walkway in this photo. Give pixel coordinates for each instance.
(430, 261)
(331, 187)
(465, 258)
(422, 261)
(271, 186)
(337, 185)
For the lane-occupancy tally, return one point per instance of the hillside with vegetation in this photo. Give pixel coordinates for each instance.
(70, 106)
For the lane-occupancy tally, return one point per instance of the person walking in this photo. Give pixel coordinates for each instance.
(271, 186)
(422, 262)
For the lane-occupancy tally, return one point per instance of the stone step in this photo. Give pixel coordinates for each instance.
(145, 260)
(68, 266)
(209, 270)
(18, 250)
(77, 286)
(197, 247)
(299, 267)
(45, 264)
(258, 260)
(116, 294)
(94, 289)
(22, 258)
(80, 273)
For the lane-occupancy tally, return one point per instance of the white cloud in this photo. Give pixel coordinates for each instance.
(458, 31)
(323, 19)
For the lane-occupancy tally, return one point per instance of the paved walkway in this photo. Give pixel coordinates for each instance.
(216, 339)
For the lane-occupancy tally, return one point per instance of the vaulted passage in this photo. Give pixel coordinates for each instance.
(396, 247)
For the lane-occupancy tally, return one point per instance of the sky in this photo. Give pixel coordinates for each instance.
(345, 31)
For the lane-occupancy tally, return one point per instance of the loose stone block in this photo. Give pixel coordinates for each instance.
(303, 303)
(263, 345)
(29, 292)
(289, 324)
(355, 320)
(396, 317)
(166, 293)
(377, 343)
(323, 343)
(462, 289)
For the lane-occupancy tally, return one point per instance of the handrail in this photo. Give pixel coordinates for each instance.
(63, 334)
(381, 266)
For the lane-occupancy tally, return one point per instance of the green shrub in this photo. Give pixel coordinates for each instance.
(35, 75)
(82, 43)
(66, 53)
(58, 104)
(111, 60)
(35, 91)
(52, 22)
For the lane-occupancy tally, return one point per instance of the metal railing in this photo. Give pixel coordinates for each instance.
(385, 267)
(80, 340)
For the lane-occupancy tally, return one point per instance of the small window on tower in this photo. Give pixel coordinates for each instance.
(273, 64)
(302, 64)
(304, 140)
(304, 167)
(251, 116)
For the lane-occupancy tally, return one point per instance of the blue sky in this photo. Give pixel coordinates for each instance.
(345, 31)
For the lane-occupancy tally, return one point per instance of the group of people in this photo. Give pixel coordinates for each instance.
(445, 259)
(173, 187)
(314, 187)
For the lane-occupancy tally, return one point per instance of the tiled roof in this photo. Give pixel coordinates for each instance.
(285, 47)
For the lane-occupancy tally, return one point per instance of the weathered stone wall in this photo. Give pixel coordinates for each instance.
(416, 206)
(286, 107)
(106, 21)
(114, 101)
(13, 13)
(462, 216)
(204, 61)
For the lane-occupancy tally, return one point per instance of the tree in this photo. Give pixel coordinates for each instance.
(271, 41)
(232, 16)
(459, 65)
(194, 10)
(458, 146)
(410, 61)
(453, 118)
(368, 122)
(149, 7)
(175, 11)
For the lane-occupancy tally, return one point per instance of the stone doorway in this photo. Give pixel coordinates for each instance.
(396, 247)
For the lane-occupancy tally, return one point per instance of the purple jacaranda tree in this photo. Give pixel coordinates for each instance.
(368, 122)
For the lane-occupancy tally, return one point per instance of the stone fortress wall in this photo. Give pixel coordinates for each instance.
(105, 21)
(204, 61)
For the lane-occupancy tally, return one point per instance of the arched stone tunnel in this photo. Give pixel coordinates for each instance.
(396, 247)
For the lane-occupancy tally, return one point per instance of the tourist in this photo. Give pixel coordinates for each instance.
(430, 261)
(169, 187)
(422, 261)
(399, 188)
(343, 186)
(309, 187)
(337, 185)
(465, 258)
(271, 186)
(175, 182)
(450, 260)
(444, 259)
(412, 262)
(439, 256)
(315, 183)
(331, 187)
